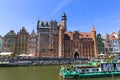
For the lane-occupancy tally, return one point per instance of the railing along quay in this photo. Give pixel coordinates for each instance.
(41, 61)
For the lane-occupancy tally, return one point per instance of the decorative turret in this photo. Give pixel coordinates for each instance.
(38, 23)
(64, 17)
(93, 35)
(33, 33)
(93, 32)
(64, 21)
(93, 28)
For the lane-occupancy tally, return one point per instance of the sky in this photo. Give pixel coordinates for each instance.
(81, 14)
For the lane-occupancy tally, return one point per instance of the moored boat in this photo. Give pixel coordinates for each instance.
(7, 64)
(91, 70)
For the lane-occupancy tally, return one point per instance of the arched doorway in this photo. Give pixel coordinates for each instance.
(76, 55)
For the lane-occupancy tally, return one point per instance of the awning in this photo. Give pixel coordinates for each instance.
(26, 55)
(5, 53)
(22, 55)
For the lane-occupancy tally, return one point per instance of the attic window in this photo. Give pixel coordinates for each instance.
(47, 24)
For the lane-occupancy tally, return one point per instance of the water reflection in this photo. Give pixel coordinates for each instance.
(37, 73)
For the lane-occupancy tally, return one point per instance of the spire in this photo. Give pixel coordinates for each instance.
(33, 33)
(107, 34)
(93, 28)
(64, 16)
(38, 23)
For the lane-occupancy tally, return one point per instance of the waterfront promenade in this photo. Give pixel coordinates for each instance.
(37, 61)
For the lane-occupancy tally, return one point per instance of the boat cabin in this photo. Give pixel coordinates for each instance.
(87, 69)
(110, 67)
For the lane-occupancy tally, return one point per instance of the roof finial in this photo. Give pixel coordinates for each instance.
(33, 30)
(93, 28)
(38, 18)
(64, 14)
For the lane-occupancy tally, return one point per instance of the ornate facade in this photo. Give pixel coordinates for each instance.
(32, 46)
(47, 41)
(55, 41)
(112, 43)
(80, 44)
(21, 42)
(115, 43)
(9, 41)
(108, 44)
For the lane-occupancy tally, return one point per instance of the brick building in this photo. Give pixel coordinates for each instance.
(54, 40)
(32, 44)
(47, 40)
(80, 44)
(21, 42)
(9, 41)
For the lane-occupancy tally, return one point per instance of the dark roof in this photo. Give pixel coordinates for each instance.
(10, 33)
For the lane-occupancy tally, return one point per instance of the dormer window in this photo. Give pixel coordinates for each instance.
(47, 24)
(42, 24)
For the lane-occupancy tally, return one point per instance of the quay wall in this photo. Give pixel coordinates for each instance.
(41, 61)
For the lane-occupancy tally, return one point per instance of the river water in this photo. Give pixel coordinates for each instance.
(37, 73)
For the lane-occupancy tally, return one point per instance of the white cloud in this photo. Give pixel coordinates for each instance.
(61, 5)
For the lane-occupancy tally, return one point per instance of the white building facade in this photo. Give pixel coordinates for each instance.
(112, 43)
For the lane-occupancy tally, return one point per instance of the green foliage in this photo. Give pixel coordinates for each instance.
(100, 44)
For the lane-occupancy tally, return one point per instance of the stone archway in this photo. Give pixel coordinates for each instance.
(76, 55)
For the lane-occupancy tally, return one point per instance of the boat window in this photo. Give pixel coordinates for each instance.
(97, 69)
(83, 71)
(87, 70)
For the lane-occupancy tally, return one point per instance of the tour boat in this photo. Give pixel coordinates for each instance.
(7, 64)
(90, 70)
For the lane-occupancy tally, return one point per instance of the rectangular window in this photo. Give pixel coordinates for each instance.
(44, 30)
(43, 50)
(108, 41)
(113, 41)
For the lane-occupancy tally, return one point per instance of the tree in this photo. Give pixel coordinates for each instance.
(100, 44)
